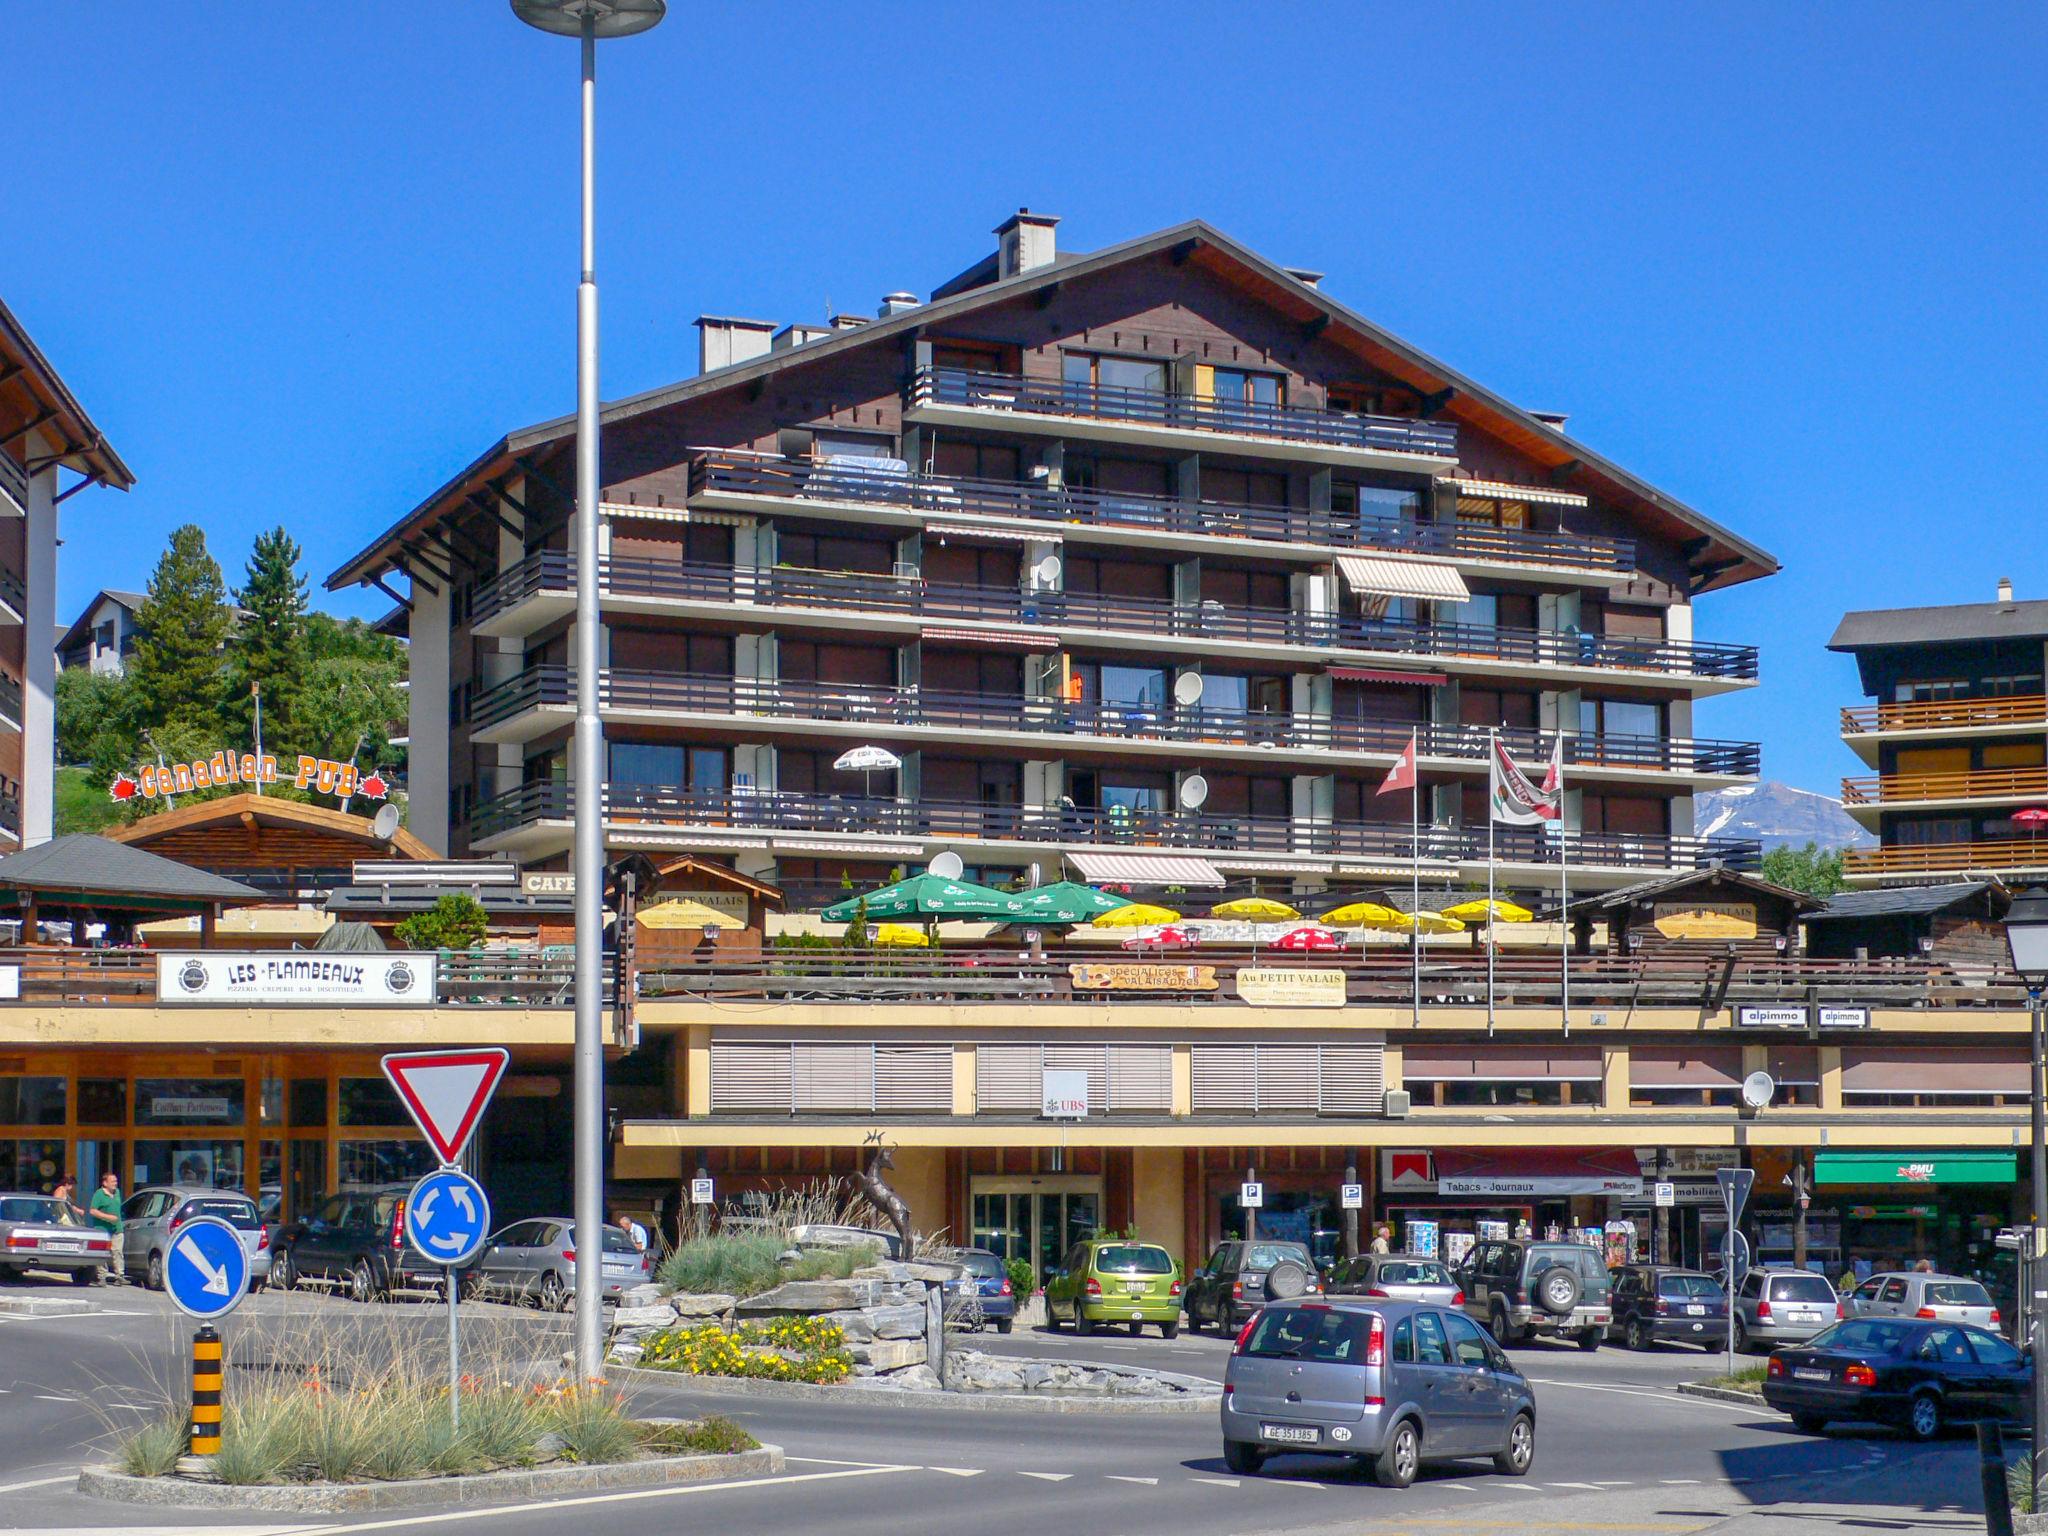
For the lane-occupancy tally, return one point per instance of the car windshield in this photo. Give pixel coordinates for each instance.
(239, 1214)
(1266, 1255)
(1957, 1293)
(1134, 1259)
(31, 1208)
(1801, 1288)
(1862, 1335)
(1582, 1261)
(1412, 1272)
(1303, 1333)
(1691, 1287)
(983, 1264)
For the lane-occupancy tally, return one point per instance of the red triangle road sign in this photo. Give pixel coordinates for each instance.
(446, 1091)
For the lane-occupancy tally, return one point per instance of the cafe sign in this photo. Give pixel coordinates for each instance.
(1142, 978)
(215, 977)
(1290, 987)
(323, 776)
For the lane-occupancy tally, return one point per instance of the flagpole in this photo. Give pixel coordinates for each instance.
(1415, 886)
(1564, 833)
(1492, 744)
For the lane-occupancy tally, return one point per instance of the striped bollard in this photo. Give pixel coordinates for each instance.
(206, 1381)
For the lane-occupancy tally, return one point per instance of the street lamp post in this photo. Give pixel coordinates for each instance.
(2026, 935)
(589, 20)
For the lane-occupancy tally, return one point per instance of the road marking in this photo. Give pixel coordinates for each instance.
(1461, 1487)
(44, 1397)
(1662, 1397)
(1521, 1487)
(1117, 1477)
(1679, 1482)
(827, 1461)
(1589, 1487)
(957, 1471)
(1048, 1477)
(38, 1482)
(1220, 1482)
(1621, 1483)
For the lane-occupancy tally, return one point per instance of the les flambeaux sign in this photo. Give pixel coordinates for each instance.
(321, 775)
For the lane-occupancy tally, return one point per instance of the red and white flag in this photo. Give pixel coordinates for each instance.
(1402, 774)
(1519, 802)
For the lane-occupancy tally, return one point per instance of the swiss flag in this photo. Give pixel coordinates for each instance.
(1402, 774)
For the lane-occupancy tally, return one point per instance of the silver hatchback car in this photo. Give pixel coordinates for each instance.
(536, 1261)
(1783, 1306)
(152, 1215)
(1391, 1384)
(1944, 1298)
(1395, 1277)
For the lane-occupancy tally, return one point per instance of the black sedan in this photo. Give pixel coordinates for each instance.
(1921, 1376)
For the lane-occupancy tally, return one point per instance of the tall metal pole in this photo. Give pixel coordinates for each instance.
(2036, 1267)
(589, 862)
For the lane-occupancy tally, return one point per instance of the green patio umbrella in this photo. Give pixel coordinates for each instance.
(927, 895)
(1067, 902)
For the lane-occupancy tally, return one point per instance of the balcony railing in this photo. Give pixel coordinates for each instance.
(1945, 714)
(1057, 611)
(968, 821)
(13, 593)
(1982, 784)
(1158, 408)
(746, 474)
(494, 978)
(791, 699)
(10, 699)
(1940, 858)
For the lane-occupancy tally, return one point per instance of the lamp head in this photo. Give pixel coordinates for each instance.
(606, 18)
(2026, 935)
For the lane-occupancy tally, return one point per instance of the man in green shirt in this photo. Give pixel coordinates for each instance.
(106, 1216)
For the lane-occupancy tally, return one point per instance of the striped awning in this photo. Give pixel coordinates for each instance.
(1387, 675)
(625, 509)
(863, 847)
(1143, 868)
(1389, 576)
(995, 535)
(1507, 490)
(1017, 639)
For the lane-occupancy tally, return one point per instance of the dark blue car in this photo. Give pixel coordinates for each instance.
(1921, 1376)
(982, 1295)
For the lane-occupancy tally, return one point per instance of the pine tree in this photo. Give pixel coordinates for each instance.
(269, 645)
(176, 665)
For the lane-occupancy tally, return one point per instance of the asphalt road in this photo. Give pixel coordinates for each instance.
(1618, 1451)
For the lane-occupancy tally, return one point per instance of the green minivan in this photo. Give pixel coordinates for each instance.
(1115, 1280)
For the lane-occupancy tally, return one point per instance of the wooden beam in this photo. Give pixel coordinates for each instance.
(48, 413)
(534, 472)
(396, 597)
(1432, 403)
(494, 515)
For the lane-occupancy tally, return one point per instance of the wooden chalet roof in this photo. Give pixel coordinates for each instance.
(240, 828)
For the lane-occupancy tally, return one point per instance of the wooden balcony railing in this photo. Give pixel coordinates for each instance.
(1942, 858)
(1981, 784)
(1945, 714)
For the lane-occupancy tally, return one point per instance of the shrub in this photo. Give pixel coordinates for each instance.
(592, 1426)
(780, 1349)
(1019, 1271)
(456, 921)
(748, 1263)
(154, 1449)
(713, 1435)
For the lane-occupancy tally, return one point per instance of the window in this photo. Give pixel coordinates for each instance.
(1495, 707)
(1245, 589)
(1372, 504)
(835, 552)
(371, 1101)
(1620, 717)
(188, 1101)
(1990, 1348)
(1468, 1345)
(32, 1100)
(1114, 372)
(977, 461)
(1404, 1342)
(666, 650)
(835, 444)
(988, 674)
(1431, 1348)
(966, 565)
(1931, 831)
(308, 1101)
(809, 661)
(103, 1101)
(1241, 386)
(2010, 684)
(665, 765)
(1324, 1335)
(1930, 689)
(1243, 488)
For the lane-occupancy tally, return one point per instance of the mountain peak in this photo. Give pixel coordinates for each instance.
(1777, 815)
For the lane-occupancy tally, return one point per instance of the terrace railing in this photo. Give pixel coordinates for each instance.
(1945, 714)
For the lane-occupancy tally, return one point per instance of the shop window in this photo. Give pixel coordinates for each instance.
(189, 1101)
(103, 1101)
(29, 1164)
(369, 1163)
(371, 1101)
(1478, 1093)
(309, 1102)
(32, 1100)
(205, 1163)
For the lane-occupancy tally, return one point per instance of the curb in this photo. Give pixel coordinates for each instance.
(1723, 1395)
(421, 1492)
(45, 1306)
(908, 1397)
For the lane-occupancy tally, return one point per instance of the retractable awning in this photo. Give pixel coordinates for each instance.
(1143, 868)
(1387, 675)
(1386, 576)
(1014, 639)
(1507, 490)
(629, 511)
(995, 535)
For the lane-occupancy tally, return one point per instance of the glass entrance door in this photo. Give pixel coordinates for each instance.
(1035, 1225)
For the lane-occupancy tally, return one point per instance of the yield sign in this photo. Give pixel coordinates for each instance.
(446, 1091)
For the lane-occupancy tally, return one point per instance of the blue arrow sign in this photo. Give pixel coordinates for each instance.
(206, 1272)
(447, 1216)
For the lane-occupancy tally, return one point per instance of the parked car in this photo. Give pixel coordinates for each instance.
(150, 1219)
(1394, 1277)
(983, 1294)
(1660, 1304)
(1172, 936)
(1783, 1306)
(355, 1241)
(1390, 1383)
(37, 1232)
(1115, 1280)
(1241, 1277)
(1935, 1298)
(535, 1260)
(1520, 1288)
(1315, 941)
(1919, 1375)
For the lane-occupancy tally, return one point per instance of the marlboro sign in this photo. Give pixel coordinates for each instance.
(321, 775)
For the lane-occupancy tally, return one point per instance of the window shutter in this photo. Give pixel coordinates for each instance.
(1288, 1077)
(1353, 1080)
(914, 1079)
(1140, 1079)
(1076, 1058)
(1226, 1080)
(1006, 1079)
(829, 1078)
(750, 1075)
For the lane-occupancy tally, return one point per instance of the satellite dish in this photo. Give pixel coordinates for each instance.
(1758, 1089)
(385, 824)
(1187, 689)
(1047, 571)
(947, 865)
(1194, 789)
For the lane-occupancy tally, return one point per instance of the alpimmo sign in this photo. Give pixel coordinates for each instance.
(322, 775)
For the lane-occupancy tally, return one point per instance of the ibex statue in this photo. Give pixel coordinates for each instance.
(881, 1156)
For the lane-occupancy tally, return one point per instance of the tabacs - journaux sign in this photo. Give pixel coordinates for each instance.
(323, 776)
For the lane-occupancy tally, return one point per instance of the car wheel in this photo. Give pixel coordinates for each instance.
(1004, 1324)
(1503, 1330)
(1741, 1337)
(1809, 1423)
(282, 1274)
(10, 1271)
(1923, 1417)
(1169, 1330)
(153, 1274)
(1589, 1340)
(86, 1276)
(1399, 1458)
(1515, 1458)
(1137, 1330)
(1242, 1456)
(362, 1282)
(554, 1296)
(1636, 1336)
(1083, 1323)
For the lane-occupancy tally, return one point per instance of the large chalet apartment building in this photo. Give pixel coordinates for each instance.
(1155, 548)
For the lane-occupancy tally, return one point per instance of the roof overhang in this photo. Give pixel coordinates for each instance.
(31, 390)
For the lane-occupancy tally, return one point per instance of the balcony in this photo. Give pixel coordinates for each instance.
(13, 598)
(879, 822)
(1946, 715)
(10, 701)
(1983, 784)
(1164, 727)
(545, 582)
(1920, 861)
(947, 393)
(1119, 516)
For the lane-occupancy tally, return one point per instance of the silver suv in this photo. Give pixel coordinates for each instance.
(1947, 1298)
(1519, 1288)
(1783, 1306)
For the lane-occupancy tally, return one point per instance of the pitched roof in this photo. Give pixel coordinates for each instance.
(1627, 895)
(1908, 901)
(274, 811)
(83, 865)
(81, 626)
(1724, 556)
(1932, 626)
(25, 369)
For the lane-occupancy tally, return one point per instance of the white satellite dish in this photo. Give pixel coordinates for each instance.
(947, 865)
(1187, 689)
(1194, 789)
(1047, 571)
(384, 825)
(1758, 1089)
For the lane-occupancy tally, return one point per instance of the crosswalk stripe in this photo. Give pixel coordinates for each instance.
(1220, 1482)
(957, 1471)
(1589, 1487)
(1048, 1477)
(1149, 1482)
(1461, 1487)
(1679, 1482)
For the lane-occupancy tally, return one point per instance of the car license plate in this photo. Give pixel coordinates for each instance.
(60, 1245)
(1809, 1373)
(1134, 1287)
(1291, 1434)
(1695, 1309)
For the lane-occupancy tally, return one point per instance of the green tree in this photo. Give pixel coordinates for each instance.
(1812, 869)
(96, 715)
(268, 647)
(354, 698)
(456, 921)
(176, 666)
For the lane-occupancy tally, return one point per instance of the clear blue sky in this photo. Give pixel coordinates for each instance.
(303, 261)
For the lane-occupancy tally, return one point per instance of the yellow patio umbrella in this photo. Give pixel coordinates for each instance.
(1475, 911)
(901, 936)
(1258, 908)
(1137, 915)
(1364, 914)
(1428, 922)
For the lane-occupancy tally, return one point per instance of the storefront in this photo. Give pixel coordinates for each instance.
(1451, 1198)
(1688, 1231)
(1895, 1208)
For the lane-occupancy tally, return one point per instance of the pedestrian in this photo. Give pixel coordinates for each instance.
(1924, 1267)
(1382, 1238)
(106, 1215)
(631, 1228)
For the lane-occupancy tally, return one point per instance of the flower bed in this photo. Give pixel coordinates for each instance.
(775, 1349)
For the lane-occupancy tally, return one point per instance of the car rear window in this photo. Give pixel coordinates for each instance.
(30, 1208)
(983, 1264)
(239, 1214)
(1957, 1293)
(1582, 1261)
(1862, 1335)
(1310, 1333)
(1692, 1287)
(1413, 1272)
(1134, 1259)
(1801, 1288)
(616, 1241)
(1266, 1255)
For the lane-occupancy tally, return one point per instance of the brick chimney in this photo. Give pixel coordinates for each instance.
(723, 340)
(2005, 590)
(1024, 241)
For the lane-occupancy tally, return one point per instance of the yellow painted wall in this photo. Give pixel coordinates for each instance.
(647, 1163)
(1156, 1205)
(920, 1178)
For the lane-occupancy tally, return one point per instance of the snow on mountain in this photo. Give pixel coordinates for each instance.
(1776, 814)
